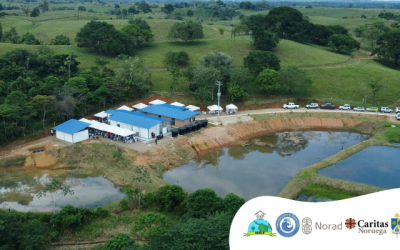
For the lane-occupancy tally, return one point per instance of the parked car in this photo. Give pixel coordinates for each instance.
(397, 110)
(398, 116)
(372, 109)
(386, 110)
(328, 106)
(290, 105)
(345, 107)
(312, 106)
(361, 109)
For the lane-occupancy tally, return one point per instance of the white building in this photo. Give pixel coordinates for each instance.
(72, 131)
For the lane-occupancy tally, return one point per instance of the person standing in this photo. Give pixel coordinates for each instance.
(156, 140)
(52, 132)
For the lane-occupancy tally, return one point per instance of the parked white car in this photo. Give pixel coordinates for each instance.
(361, 109)
(386, 110)
(398, 116)
(397, 110)
(312, 106)
(290, 105)
(345, 107)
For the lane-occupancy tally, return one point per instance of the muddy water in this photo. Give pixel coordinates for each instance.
(376, 166)
(18, 190)
(258, 170)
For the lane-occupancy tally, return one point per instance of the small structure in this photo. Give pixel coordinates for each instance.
(156, 102)
(193, 108)
(72, 131)
(123, 107)
(139, 106)
(101, 115)
(178, 116)
(214, 109)
(178, 104)
(230, 109)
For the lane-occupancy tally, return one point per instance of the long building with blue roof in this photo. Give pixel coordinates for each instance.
(72, 131)
(179, 116)
(144, 125)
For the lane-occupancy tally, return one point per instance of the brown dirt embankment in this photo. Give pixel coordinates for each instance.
(216, 137)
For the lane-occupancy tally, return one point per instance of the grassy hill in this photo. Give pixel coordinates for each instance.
(335, 76)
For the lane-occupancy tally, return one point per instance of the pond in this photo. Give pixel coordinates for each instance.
(18, 190)
(376, 166)
(262, 168)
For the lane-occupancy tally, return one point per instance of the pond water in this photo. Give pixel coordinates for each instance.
(376, 166)
(259, 170)
(18, 190)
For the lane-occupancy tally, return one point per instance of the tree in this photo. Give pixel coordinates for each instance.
(389, 45)
(104, 38)
(264, 40)
(187, 31)
(168, 8)
(211, 232)
(144, 7)
(1, 32)
(44, 6)
(258, 60)
(120, 241)
(139, 37)
(203, 202)
(60, 40)
(11, 36)
(25, 9)
(35, 12)
(101, 61)
(190, 13)
(150, 226)
(375, 85)
(372, 32)
(140, 23)
(43, 104)
(219, 61)
(174, 59)
(294, 81)
(363, 16)
(240, 81)
(343, 44)
(56, 190)
(29, 39)
(268, 80)
(203, 84)
(221, 31)
(132, 10)
(80, 9)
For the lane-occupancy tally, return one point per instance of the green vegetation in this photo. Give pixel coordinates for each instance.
(12, 162)
(325, 191)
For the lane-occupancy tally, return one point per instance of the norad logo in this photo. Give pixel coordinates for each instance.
(259, 226)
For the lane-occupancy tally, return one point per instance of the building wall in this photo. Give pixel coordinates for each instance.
(81, 136)
(60, 135)
(181, 123)
(68, 138)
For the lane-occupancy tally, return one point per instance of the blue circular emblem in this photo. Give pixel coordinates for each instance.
(287, 225)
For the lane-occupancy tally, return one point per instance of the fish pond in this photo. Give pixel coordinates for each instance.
(376, 166)
(261, 167)
(19, 189)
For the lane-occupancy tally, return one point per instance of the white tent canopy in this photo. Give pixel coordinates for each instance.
(178, 104)
(123, 107)
(85, 120)
(139, 106)
(155, 102)
(111, 129)
(102, 114)
(214, 109)
(193, 108)
(231, 109)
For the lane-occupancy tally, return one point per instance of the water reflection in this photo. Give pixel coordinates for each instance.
(376, 166)
(262, 168)
(18, 189)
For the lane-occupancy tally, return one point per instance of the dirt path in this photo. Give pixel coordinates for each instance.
(215, 29)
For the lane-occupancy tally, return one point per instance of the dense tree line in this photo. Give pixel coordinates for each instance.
(12, 36)
(39, 87)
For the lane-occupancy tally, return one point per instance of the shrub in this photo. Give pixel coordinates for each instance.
(120, 241)
(203, 202)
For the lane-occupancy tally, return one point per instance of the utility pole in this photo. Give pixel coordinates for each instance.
(219, 95)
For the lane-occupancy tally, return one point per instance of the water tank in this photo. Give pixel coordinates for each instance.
(182, 130)
(175, 132)
(203, 123)
(198, 124)
(206, 122)
(194, 127)
(188, 128)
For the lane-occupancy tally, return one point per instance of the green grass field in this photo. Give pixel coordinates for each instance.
(336, 76)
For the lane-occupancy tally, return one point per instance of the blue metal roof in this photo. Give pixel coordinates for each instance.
(71, 126)
(134, 120)
(166, 105)
(138, 114)
(179, 113)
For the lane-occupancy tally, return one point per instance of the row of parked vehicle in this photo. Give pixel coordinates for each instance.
(292, 105)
